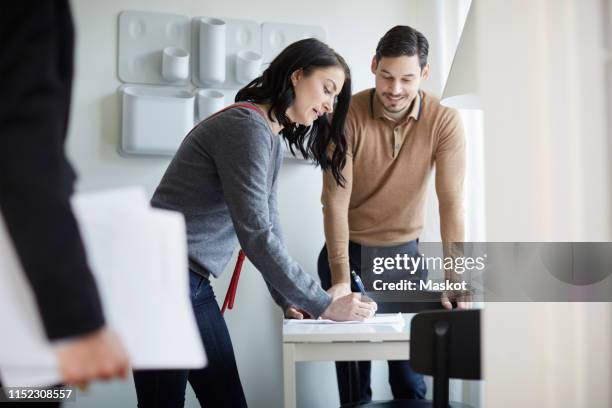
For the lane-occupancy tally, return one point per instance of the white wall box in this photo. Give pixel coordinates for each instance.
(206, 107)
(240, 35)
(209, 102)
(276, 36)
(142, 39)
(155, 120)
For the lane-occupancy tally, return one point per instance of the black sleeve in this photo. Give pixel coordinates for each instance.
(36, 180)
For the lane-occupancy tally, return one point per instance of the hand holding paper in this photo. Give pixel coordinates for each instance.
(138, 256)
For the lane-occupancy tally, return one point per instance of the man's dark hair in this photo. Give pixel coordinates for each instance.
(403, 40)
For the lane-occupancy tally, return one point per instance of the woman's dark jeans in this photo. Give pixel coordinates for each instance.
(216, 385)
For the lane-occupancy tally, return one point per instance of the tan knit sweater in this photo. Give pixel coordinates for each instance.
(387, 170)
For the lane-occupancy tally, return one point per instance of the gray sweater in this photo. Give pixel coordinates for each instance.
(223, 179)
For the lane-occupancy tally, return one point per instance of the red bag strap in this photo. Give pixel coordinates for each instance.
(233, 286)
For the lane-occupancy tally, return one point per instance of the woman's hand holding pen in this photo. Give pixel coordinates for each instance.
(350, 307)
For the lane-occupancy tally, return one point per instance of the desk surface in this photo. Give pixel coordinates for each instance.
(329, 333)
(340, 342)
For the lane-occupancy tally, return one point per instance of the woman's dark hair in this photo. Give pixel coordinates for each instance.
(403, 40)
(275, 87)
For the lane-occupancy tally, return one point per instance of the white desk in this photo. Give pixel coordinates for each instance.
(340, 342)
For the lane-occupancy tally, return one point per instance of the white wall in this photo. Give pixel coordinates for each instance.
(353, 29)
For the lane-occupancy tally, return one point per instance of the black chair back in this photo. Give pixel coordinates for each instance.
(446, 344)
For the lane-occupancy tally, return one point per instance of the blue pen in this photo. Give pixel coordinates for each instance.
(359, 283)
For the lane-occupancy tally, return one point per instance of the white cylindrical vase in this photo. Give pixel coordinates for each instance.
(212, 50)
(209, 102)
(248, 66)
(175, 64)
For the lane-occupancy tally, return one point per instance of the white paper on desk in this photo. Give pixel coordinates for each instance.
(394, 319)
(138, 256)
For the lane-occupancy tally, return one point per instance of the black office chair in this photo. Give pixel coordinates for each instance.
(443, 344)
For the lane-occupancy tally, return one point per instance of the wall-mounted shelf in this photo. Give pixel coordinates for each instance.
(154, 120)
(240, 35)
(169, 54)
(142, 39)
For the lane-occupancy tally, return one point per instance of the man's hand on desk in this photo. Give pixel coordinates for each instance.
(339, 290)
(99, 355)
(463, 299)
(292, 312)
(350, 307)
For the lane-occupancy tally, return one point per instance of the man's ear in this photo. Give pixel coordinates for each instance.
(374, 65)
(296, 76)
(425, 71)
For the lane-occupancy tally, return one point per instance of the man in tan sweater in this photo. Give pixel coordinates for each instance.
(396, 134)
